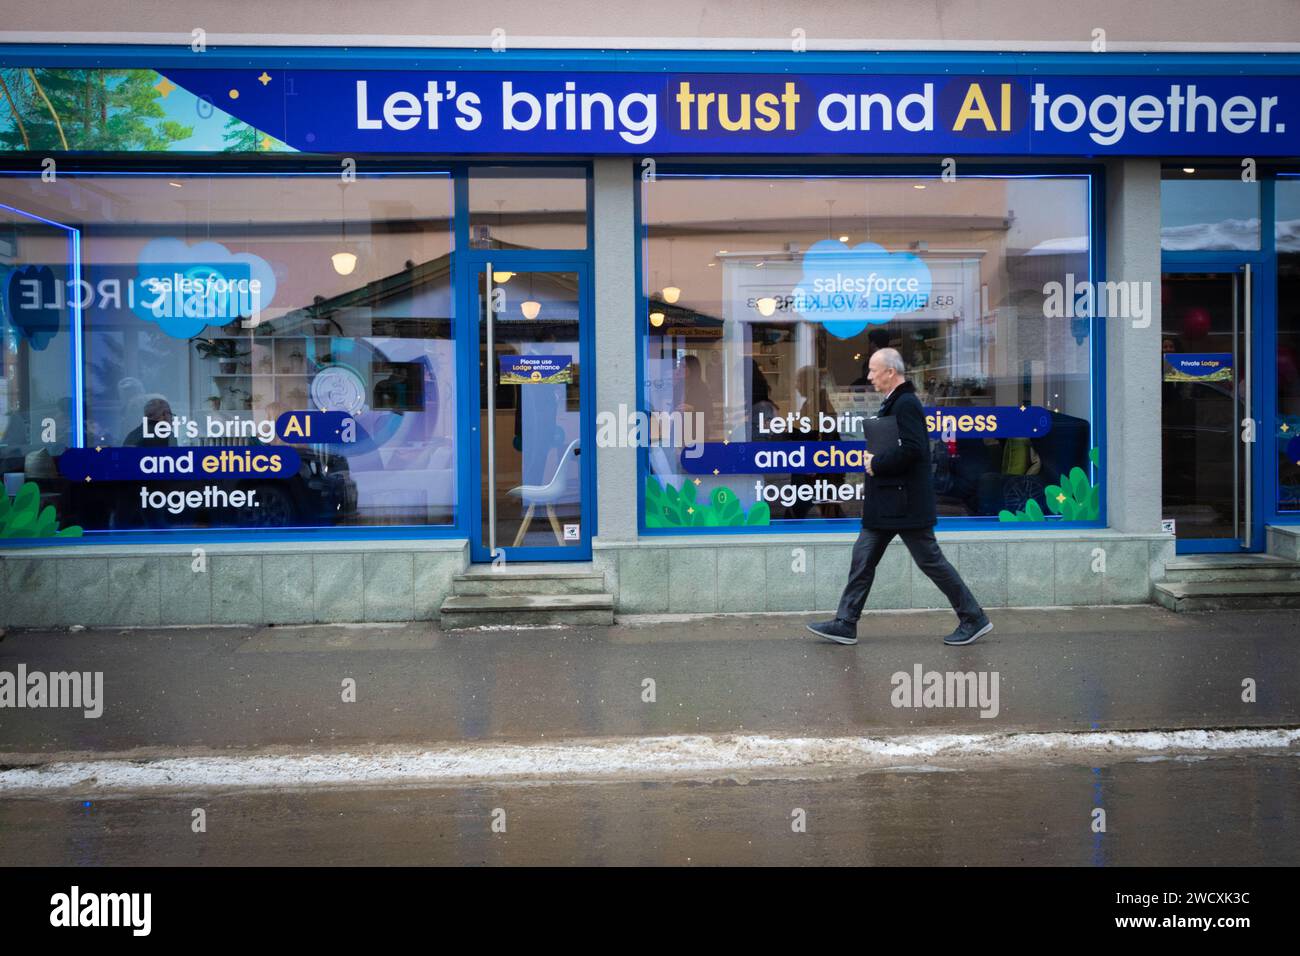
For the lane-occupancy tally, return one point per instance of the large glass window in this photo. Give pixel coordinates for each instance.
(210, 306)
(766, 296)
(1287, 434)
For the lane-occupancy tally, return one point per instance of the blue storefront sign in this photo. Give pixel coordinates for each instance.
(682, 113)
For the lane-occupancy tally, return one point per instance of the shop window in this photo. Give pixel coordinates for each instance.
(765, 298)
(207, 307)
(1208, 209)
(513, 207)
(37, 407)
(1287, 420)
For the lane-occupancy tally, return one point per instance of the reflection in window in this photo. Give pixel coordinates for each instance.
(725, 338)
(538, 422)
(351, 311)
(1201, 212)
(528, 208)
(1287, 434)
(37, 414)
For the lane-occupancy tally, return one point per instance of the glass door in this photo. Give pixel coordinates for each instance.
(1209, 452)
(534, 405)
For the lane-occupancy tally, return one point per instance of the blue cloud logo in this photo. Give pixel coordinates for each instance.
(185, 288)
(848, 288)
(32, 302)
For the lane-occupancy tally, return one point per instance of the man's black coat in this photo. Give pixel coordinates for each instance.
(901, 494)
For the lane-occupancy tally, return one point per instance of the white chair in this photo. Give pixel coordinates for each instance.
(547, 494)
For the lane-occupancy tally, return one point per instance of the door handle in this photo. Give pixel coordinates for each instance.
(491, 417)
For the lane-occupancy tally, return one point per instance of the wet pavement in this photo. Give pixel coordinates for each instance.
(1213, 811)
(193, 690)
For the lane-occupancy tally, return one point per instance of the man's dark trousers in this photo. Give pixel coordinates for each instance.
(870, 548)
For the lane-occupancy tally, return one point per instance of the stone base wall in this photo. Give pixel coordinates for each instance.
(337, 581)
(280, 583)
(805, 573)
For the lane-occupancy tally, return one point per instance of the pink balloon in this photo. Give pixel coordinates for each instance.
(1196, 323)
(1287, 367)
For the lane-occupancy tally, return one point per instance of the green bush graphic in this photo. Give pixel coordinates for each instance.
(669, 507)
(1031, 513)
(1074, 499)
(25, 518)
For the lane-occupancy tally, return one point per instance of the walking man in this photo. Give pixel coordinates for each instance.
(899, 500)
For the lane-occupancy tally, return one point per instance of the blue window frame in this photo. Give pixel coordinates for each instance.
(1277, 374)
(1267, 491)
(468, 329)
(444, 520)
(1232, 264)
(1093, 327)
(463, 260)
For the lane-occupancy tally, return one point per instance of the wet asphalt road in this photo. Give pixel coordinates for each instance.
(1068, 669)
(249, 689)
(1215, 811)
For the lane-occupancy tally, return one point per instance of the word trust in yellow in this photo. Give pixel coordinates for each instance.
(772, 111)
(737, 111)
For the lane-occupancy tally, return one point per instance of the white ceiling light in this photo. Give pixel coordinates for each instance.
(656, 319)
(344, 261)
(530, 309)
(766, 305)
(670, 292)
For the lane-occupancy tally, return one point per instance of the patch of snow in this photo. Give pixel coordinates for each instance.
(670, 757)
(513, 627)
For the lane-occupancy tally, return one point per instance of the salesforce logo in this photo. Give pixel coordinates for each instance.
(186, 288)
(848, 288)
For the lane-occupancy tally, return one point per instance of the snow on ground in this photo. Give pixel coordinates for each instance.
(671, 757)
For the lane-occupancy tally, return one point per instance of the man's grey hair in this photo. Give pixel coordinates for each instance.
(892, 359)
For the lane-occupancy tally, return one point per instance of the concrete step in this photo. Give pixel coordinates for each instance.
(529, 579)
(1284, 541)
(1209, 568)
(478, 610)
(1227, 595)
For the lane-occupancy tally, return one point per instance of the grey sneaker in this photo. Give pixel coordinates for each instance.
(969, 633)
(841, 632)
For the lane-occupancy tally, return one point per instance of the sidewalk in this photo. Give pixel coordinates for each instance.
(169, 691)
